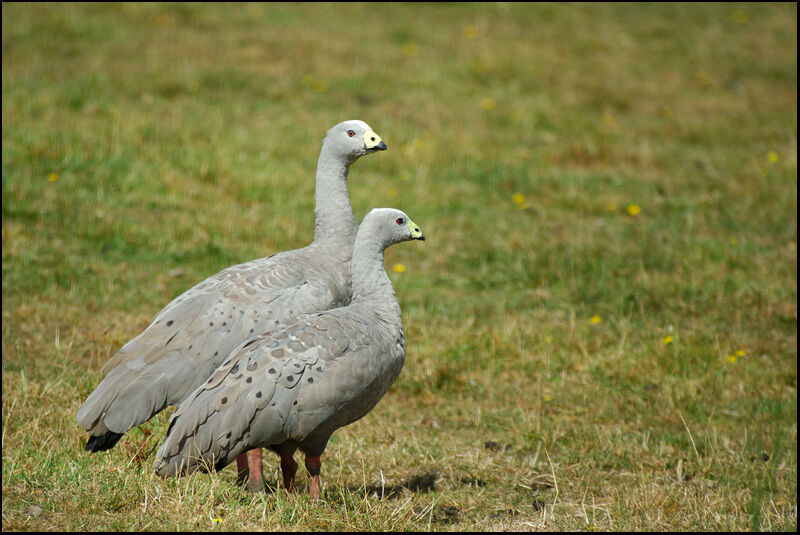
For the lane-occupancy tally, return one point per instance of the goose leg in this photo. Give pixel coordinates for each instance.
(255, 480)
(289, 469)
(313, 465)
(242, 470)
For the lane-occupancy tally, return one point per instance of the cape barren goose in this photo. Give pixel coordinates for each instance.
(194, 333)
(292, 388)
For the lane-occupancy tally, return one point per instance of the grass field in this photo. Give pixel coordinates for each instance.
(601, 325)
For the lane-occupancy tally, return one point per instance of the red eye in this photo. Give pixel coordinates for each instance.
(351, 133)
(399, 221)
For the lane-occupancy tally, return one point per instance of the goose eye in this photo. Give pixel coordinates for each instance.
(399, 221)
(351, 133)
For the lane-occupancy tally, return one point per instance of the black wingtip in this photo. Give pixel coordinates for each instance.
(103, 442)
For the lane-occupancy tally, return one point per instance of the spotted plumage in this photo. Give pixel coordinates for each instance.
(294, 387)
(195, 333)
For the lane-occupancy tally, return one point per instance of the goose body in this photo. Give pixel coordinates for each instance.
(193, 334)
(292, 388)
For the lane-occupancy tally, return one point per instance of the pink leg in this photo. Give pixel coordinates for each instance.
(289, 469)
(241, 468)
(313, 465)
(255, 481)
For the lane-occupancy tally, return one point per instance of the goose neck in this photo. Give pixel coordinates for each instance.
(335, 225)
(371, 285)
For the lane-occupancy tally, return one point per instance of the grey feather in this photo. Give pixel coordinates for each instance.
(198, 330)
(321, 371)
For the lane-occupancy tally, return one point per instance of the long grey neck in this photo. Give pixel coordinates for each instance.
(371, 285)
(335, 225)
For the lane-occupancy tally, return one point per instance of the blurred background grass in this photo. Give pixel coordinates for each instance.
(601, 326)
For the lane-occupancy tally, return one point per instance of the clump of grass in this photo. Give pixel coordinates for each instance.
(602, 324)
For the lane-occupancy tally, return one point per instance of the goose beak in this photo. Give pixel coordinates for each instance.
(373, 141)
(416, 233)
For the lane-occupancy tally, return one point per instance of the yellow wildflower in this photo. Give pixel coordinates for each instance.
(318, 85)
(633, 209)
(702, 78)
(731, 359)
(469, 31)
(399, 268)
(740, 353)
(488, 103)
(668, 340)
(595, 319)
(611, 206)
(547, 398)
(52, 177)
(410, 49)
(519, 200)
(772, 157)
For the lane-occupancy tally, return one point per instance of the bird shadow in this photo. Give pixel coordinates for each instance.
(421, 483)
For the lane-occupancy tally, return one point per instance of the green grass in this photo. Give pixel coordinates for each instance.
(146, 147)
